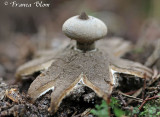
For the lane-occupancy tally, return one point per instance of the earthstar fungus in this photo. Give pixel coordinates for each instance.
(84, 62)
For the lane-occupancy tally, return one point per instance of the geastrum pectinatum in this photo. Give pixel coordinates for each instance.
(84, 62)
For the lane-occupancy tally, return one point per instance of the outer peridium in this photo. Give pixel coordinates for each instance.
(90, 68)
(94, 69)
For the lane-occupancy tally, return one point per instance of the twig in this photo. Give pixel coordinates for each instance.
(86, 112)
(131, 96)
(144, 86)
(147, 99)
(131, 92)
(153, 97)
(120, 96)
(137, 93)
(74, 114)
(152, 88)
(108, 102)
(143, 103)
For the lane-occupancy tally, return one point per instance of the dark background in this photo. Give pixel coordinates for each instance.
(124, 17)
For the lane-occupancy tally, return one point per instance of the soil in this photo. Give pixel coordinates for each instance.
(74, 104)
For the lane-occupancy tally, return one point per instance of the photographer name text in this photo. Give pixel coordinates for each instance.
(27, 5)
